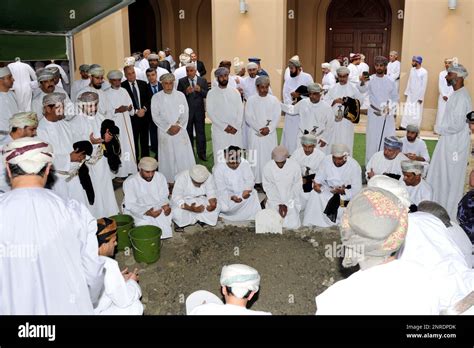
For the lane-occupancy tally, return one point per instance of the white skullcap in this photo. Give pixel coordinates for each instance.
(23, 119)
(5, 71)
(326, 66)
(199, 173)
(162, 54)
(252, 65)
(343, 71)
(394, 186)
(129, 61)
(96, 71)
(459, 70)
(238, 66)
(53, 98)
(167, 77)
(315, 88)
(115, 75)
(394, 53)
(413, 128)
(295, 62)
(280, 154)
(30, 154)
(295, 57)
(184, 58)
(188, 51)
(413, 167)
(339, 150)
(309, 139)
(240, 278)
(148, 164)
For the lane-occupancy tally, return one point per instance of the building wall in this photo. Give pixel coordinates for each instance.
(260, 32)
(106, 42)
(435, 32)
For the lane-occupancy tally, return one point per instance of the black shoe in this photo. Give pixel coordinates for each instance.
(178, 229)
(202, 224)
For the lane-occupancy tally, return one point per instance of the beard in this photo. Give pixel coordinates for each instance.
(223, 83)
(294, 74)
(97, 86)
(452, 82)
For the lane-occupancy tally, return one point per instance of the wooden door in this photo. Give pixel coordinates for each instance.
(358, 26)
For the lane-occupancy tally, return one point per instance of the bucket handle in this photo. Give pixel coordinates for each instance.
(133, 245)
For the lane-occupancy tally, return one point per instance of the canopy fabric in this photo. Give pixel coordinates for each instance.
(37, 29)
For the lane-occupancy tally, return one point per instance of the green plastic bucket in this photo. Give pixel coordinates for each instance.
(124, 225)
(146, 243)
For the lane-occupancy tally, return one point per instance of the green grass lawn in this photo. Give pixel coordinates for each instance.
(359, 148)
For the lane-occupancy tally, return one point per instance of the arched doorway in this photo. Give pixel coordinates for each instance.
(143, 21)
(358, 26)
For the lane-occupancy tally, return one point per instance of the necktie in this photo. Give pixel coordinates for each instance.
(155, 89)
(192, 83)
(135, 95)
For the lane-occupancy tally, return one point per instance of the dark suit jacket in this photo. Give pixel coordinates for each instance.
(195, 99)
(145, 94)
(201, 68)
(160, 88)
(165, 65)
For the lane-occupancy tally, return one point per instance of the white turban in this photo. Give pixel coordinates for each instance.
(199, 173)
(44, 75)
(129, 61)
(184, 58)
(262, 80)
(148, 164)
(190, 65)
(167, 77)
(188, 51)
(115, 75)
(326, 66)
(280, 154)
(162, 55)
(295, 63)
(252, 65)
(339, 150)
(459, 70)
(413, 128)
(221, 71)
(5, 71)
(295, 57)
(53, 98)
(240, 278)
(238, 66)
(30, 154)
(309, 139)
(394, 53)
(97, 71)
(394, 186)
(315, 88)
(343, 71)
(412, 167)
(153, 56)
(23, 119)
(88, 97)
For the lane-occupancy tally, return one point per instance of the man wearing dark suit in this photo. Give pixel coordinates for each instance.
(195, 89)
(141, 97)
(165, 65)
(199, 65)
(154, 87)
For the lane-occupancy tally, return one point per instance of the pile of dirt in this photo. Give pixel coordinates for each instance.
(294, 267)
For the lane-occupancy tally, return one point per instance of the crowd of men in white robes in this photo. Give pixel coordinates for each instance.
(311, 179)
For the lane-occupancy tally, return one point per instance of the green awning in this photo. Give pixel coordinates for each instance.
(38, 29)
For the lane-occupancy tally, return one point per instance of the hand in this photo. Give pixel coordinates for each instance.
(166, 209)
(236, 199)
(95, 141)
(108, 137)
(265, 131)
(141, 113)
(197, 88)
(153, 213)
(189, 90)
(246, 194)
(134, 275)
(322, 143)
(371, 173)
(337, 101)
(194, 208)
(231, 130)
(174, 129)
(420, 101)
(445, 98)
(411, 156)
(212, 205)
(130, 107)
(77, 156)
(317, 187)
(282, 210)
(339, 189)
(241, 91)
(121, 109)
